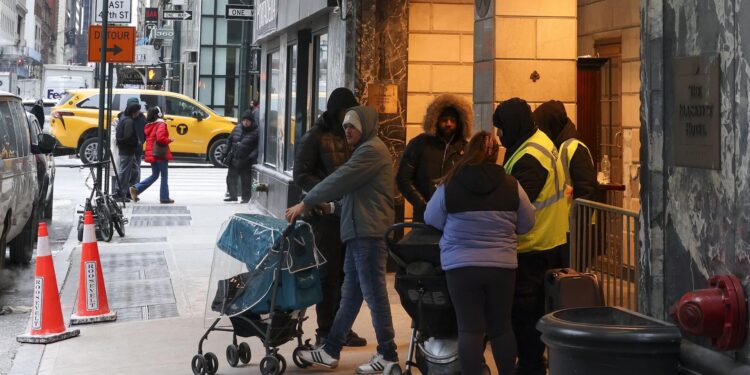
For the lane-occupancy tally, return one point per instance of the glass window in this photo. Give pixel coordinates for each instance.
(179, 107)
(207, 7)
(205, 86)
(22, 128)
(220, 91)
(207, 30)
(207, 60)
(149, 101)
(273, 88)
(227, 61)
(221, 30)
(321, 73)
(8, 144)
(235, 31)
(291, 113)
(92, 102)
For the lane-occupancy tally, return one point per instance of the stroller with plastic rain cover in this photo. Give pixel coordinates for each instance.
(423, 291)
(263, 278)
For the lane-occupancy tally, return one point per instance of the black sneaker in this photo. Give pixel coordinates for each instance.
(354, 340)
(230, 199)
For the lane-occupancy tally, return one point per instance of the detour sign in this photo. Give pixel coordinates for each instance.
(120, 44)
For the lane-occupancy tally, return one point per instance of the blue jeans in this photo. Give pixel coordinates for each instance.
(158, 167)
(364, 279)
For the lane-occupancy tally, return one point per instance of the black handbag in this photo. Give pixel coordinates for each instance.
(159, 150)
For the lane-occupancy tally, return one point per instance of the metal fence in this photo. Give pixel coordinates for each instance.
(603, 241)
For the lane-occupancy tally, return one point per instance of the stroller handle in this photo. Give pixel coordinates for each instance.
(389, 240)
(285, 234)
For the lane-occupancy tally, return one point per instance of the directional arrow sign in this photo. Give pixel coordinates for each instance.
(240, 12)
(120, 44)
(177, 15)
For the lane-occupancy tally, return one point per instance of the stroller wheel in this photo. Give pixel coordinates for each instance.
(392, 369)
(212, 363)
(282, 362)
(245, 353)
(233, 355)
(198, 364)
(298, 361)
(270, 365)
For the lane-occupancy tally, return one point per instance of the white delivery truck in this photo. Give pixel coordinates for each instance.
(8, 82)
(56, 79)
(30, 88)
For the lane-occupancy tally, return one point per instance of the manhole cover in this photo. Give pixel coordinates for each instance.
(169, 210)
(159, 221)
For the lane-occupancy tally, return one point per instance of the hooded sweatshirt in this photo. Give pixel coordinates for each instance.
(428, 156)
(364, 183)
(553, 120)
(323, 148)
(513, 117)
(480, 211)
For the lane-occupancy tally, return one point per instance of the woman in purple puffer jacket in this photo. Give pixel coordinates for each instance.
(480, 210)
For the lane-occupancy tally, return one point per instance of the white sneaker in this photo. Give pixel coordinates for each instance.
(376, 365)
(318, 356)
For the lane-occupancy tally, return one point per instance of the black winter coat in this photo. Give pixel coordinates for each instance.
(243, 145)
(126, 137)
(320, 151)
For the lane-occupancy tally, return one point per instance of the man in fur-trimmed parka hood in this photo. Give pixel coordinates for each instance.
(447, 125)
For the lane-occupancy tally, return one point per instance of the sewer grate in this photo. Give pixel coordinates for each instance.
(130, 261)
(159, 221)
(162, 311)
(164, 210)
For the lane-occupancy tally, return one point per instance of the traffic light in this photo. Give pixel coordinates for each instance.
(155, 74)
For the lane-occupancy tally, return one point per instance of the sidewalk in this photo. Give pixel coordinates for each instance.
(157, 280)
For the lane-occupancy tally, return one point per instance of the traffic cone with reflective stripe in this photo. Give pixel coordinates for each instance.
(46, 323)
(92, 306)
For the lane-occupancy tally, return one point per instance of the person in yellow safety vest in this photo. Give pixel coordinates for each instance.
(532, 159)
(580, 173)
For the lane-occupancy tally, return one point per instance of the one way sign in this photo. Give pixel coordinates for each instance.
(177, 15)
(239, 12)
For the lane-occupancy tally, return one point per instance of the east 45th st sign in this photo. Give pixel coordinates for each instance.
(119, 11)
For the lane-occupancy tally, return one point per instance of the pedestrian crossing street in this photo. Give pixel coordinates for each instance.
(206, 184)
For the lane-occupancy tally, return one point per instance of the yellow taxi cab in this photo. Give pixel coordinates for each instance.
(197, 130)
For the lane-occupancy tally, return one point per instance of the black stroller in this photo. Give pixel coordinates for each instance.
(275, 268)
(423, 290)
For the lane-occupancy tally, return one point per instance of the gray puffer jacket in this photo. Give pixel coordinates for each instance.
(365, 184)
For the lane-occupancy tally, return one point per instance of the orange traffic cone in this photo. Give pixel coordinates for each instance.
(92, 306)
(47, 323)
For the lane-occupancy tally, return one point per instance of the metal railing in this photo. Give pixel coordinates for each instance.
(604, 241)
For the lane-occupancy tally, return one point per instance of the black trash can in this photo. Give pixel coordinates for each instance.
(609, 340)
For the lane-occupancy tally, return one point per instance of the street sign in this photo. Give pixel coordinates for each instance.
(240, 12)
(164, 34)
(255, 52)
(177, 15)
(119, 11)
(120, 44)
(152, 15)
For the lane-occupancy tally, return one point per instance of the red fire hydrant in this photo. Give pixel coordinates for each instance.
(719, 312)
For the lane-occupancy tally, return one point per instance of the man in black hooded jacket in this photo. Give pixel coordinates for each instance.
(552, 119)
(429, 156)
(320, 151)
(240, 155)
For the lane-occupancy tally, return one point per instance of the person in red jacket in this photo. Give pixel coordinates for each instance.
(158, 154)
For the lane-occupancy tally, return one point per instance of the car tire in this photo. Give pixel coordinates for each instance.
(3, 244)
(88, 151)
(22, 247)
(49, 205)
(215, 151)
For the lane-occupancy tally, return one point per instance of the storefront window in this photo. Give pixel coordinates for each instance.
(291, 112)
(273, 90)
(321, 73)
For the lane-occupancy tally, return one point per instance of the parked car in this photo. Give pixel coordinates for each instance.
(48, 105)
(196, 129)
(18, 180)
(45, 171)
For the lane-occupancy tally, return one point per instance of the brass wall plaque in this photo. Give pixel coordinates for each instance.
(696, 120)
(383, 97)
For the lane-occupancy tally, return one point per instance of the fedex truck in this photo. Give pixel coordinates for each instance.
(56, 79)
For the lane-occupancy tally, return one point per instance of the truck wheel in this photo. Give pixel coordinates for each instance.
(22, 247)
(216, 151)
(88, 151)
(48, 206)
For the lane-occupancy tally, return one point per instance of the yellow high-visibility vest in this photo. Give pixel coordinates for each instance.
(551, 207)
(567, 149)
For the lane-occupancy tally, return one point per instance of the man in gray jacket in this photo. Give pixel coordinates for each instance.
(365, 185)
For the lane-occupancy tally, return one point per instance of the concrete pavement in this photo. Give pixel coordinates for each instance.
(158, 282)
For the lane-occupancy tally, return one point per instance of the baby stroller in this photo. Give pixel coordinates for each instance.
(274, 278)
(423, 290)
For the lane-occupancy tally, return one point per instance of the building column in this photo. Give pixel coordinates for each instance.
(524, 49)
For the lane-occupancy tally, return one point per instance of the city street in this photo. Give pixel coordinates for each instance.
(157, 280)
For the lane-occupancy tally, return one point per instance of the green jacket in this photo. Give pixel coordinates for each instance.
(365, 184)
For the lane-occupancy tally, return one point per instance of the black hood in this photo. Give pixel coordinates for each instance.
(341, 98)
(553, 121)
(480, 179)
(513, 117)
